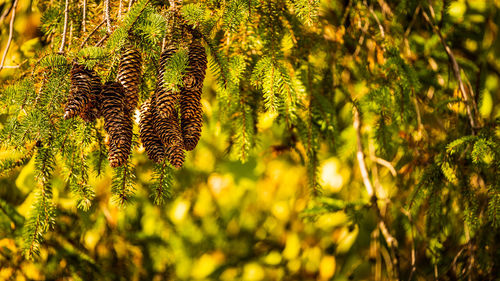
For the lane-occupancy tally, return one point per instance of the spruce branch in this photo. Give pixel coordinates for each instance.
(390, 240)
(65, 28)
(122, 186)
(162, 182)
(11, 31)
(468, 100)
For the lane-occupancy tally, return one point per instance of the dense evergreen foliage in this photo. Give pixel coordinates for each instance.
(397, 100)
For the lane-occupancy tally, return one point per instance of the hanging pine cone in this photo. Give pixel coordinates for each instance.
(168, 130)
(197, 65)
(129, 74)
(80, 91)
(175, 156)
(91, 111)
(191, 117)
(152, 144)
(169, 133)
(117, 123)
(190, 100)
(166, 99)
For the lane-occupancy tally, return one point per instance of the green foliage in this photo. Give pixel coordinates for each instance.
(162, 186)
(274, 188)
(42, 216)
(175, 70)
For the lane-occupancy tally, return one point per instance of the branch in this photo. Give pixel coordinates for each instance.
(106, 15)
(370, 9)
(11, 31)
(91, 33)
(386, 164)
(120, 9)
(390, 240)
(65, 30)
(456, 70)
(130, 2)
(84, 14)
(5, 13)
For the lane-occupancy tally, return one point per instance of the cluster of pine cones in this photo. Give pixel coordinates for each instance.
(170, 121)
(162, 133)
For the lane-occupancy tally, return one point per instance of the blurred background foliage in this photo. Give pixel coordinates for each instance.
(262, 219)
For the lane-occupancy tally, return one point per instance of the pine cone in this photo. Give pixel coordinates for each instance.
(191, 117)
(129, 74)
(166, 99)
(152, 144)
(175, 156)
(168, 130)
(169, 133)
(117, 123)
(80, 91)
(91, 111)
(197, 66)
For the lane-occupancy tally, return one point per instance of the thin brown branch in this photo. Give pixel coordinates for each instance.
(65, 29)
(5, 13)
(106, 16)
(413, 252)
(102, 40)
(382, 32)
(412, 22)
(130, 2)
(455, 68)
(386, 164)
(120, 7)
(11, 31)
(91, 33)
(385, 8)
(392, 243)
(84, 15)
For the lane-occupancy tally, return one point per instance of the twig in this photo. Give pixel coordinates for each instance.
(370, 9)
(385, 8)
(412, 22)
(390, 240)
(84, 14)
(456, 69)
(91, 33)
(106, 15)
(413, 255)
(102, 40)
(5, 13)
(130, 2)
(120, 6)
(65, 30)
(386, 164)
(11, 31)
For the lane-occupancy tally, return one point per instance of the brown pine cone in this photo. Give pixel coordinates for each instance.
(191, 131)
(129, 74)
(175, 156)
(117, 123)
(191, 117)
(197, 66)
(91, 111)
(80, 91)
(166, 99)
(152, 143)
(168, 130)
